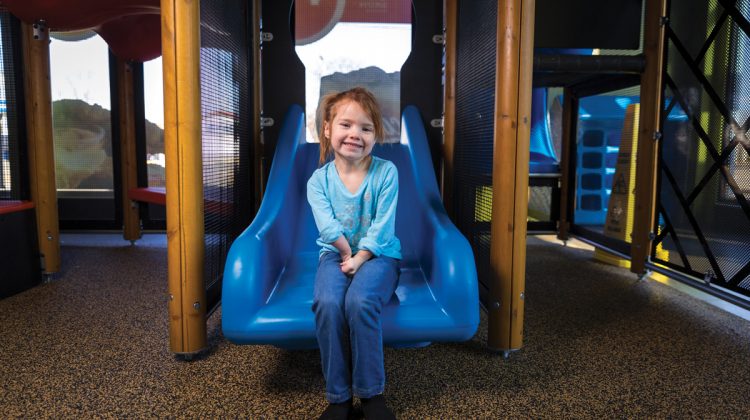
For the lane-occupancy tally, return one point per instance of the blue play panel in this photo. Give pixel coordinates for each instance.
(600, 124)
(268, 279)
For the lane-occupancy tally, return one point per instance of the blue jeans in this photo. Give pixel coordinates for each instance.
(347, 324)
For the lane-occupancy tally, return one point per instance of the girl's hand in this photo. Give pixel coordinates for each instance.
(349, 266)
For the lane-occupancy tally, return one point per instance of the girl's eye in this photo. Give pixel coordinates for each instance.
(367, 129)
(345, 125)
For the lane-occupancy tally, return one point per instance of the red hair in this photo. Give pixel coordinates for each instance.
(327, 112)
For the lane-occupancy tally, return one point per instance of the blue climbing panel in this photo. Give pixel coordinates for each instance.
(599, 130)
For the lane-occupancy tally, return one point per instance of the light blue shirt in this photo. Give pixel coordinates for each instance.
(367, 218)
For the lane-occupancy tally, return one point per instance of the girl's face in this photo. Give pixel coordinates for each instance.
(351, 132)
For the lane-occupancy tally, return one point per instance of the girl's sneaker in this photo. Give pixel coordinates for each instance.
(337, 411)
(375, 408)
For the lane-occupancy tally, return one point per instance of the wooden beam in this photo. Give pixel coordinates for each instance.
(184, 172)
(41, 147)
(128, 157)
(510, 173)
(449, 110)
(523, 138)
(648, 143)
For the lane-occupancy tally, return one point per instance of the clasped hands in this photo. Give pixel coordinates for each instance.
(351, 263)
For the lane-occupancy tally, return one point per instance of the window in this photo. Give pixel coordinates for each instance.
(11, 165)
(153, 92)
(346, 44)
(5, 170)
(81, 121)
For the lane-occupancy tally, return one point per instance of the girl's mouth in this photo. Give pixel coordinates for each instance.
(346, 143)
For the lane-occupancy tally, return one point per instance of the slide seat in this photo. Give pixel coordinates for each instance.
(268, 280)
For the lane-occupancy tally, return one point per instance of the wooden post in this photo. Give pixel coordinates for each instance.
(568, 162)
(510, 173)
(182, 144)
(449, 110)
(40, 144)
(128, 157)
(650, 124)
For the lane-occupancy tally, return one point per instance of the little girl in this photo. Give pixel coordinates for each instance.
(353, 199)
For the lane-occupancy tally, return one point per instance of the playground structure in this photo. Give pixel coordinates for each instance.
(487, 131)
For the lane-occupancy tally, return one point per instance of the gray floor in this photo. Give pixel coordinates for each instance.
(598, 343)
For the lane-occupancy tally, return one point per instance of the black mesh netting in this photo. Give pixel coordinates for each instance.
(704, 185)
(11, 161)
(540, 203)
(475, 88)
(226, 138)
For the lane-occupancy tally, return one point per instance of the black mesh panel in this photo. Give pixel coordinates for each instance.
(540, 199)
(11, 158)
(226, 126)
(475, 88)
(704, 185)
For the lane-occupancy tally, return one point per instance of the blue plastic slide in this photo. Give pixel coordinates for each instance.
(542, 157)
(269, 273)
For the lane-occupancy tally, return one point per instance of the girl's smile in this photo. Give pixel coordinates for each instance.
(352, 145)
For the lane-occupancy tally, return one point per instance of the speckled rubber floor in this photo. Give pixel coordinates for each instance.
(598, 344)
